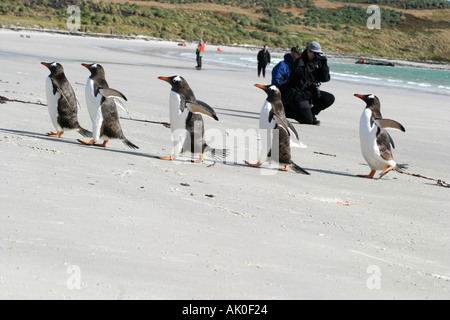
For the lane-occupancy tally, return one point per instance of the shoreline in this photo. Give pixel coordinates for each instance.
(333, 56)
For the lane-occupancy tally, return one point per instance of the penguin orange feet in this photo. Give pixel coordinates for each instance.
(168, 158)
(256, 165)
(87, 142)
(284, 169)
(386, 170)
(55, 134)
(199, 160)
(94, 143)
(105, 142)
(370, 175)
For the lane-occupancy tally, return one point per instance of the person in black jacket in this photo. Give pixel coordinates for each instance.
(263, 59)
(303, 95)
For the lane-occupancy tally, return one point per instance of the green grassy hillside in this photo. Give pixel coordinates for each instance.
(414, 29)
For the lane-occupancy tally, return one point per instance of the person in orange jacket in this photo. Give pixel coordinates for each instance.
(199, 52)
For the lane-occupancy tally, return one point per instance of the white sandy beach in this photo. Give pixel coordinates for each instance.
(123, 224)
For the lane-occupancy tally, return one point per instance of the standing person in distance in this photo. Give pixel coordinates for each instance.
(304, 98)
(199, 52)
(263, 60)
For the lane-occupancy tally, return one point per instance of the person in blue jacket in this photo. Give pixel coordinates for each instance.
(282, 71)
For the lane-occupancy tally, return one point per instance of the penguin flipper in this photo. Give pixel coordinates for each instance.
(62, 94)
(380, 128)
(391, 140)
(200, 107)
(291, 127)
(282, 123)
(271, 115)
(120, 104)
(78, 104)
(388, 123)
(108, 92)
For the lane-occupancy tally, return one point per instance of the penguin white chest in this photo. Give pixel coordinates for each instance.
(368, 141)
(265, 130)
(177, 115)
(264, 115)
(52, 103)
(93, 102)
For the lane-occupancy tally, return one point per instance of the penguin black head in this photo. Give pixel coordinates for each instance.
(370, 99)
(54, 67)
(273, 93)
(177, 82)
(180, 86)
(95, 69)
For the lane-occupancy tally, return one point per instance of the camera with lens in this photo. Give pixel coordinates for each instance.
(315, 89)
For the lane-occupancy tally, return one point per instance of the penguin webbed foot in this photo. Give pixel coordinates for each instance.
(386, 171)
(255, 165)
(368, 176)
(55, 134)
(200, 160)
(94, 143)
(169, 157)
(101, 145)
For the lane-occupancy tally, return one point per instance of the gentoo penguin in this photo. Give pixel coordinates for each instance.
(62, 102)
(102, 106)
(375, 140)
(186, 121)
(272, 116)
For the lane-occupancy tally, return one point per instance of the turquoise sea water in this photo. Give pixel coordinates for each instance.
(437, 81)
(413, 78)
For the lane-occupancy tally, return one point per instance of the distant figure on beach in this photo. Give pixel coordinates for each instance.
(282, 71)
(263, 60)
(199, 52)
(111, 31)
(302, 93)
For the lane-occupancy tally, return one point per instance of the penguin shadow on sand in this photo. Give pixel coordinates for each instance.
(36, 135)
(238, 113)
(45, 137)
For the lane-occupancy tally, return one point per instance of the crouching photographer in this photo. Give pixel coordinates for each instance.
(304, 98)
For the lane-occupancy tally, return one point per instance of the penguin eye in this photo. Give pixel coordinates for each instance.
(371, 96)
(273, 88)
(177, 79)
(53, 65)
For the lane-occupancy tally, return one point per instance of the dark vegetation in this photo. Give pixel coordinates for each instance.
(406, 4)
(277, 23)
